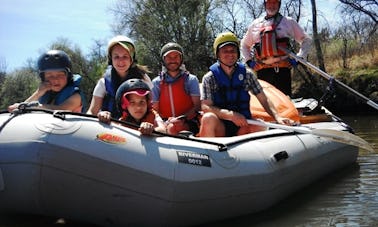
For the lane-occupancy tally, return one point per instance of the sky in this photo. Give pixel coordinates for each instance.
(27, 27)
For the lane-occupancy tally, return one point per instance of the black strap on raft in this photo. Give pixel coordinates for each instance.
(329, 92)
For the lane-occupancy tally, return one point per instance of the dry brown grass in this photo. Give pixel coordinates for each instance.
(354, 63)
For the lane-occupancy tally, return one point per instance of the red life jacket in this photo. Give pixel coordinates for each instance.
(149, 117)
(174, 100)
(268, 47)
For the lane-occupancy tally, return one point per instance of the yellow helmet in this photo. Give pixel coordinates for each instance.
(223, 39)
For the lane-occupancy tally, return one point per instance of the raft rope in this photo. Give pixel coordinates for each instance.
(61, 114)
(22, 108)
(28, 107)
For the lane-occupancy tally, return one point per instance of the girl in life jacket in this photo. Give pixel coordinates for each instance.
(133, 100)
(59, 87)
(122, 66)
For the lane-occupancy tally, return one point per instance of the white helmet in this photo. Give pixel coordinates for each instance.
(125, 42)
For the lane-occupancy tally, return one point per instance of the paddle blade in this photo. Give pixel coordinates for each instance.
(343, 137)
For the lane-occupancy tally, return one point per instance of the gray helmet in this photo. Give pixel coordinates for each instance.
(169, 47)
(54, 60)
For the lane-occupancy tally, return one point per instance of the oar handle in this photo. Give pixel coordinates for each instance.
(372, 104)
(279, 126)
(329, 77)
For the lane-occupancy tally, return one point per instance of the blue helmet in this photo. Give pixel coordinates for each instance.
(54, 60)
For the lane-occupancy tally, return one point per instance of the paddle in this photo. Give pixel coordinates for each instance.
(329, 77)
(335, 135)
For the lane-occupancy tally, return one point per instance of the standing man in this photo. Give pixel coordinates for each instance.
(225, 98)
(175, 92)
(261, 44)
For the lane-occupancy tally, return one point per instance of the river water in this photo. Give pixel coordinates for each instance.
(348, 197)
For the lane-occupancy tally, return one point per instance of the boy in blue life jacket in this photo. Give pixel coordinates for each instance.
(59, 87)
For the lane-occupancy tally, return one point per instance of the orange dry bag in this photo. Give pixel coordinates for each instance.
(283, 104)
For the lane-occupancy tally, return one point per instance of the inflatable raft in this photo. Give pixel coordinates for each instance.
(68, 165)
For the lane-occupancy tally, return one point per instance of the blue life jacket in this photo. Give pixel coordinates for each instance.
(109, 102)
(54, 98)
(231, 94)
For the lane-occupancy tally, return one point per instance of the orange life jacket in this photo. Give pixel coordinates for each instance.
(149, 117)
(174, 100)
(269, 47)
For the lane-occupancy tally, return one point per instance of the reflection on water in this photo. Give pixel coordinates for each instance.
(365, 126)
(348, 197)
(345, 198)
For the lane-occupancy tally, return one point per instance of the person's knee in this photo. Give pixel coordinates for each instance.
(211, 126)
(209, 119)
(175, 128)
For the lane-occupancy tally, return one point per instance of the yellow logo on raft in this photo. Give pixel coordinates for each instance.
(111, 138)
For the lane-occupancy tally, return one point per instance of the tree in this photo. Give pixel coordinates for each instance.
(154, 23)
(3, 66)
(367, 7)
(230, 15)
(96, 63)
(3, 70)
(292, 8)
(254, 8)
(362, 18)
(18, 86)
(315, 35)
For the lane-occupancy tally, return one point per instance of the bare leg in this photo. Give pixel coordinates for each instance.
(211, 126)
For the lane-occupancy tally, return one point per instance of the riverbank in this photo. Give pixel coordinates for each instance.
(336, 97)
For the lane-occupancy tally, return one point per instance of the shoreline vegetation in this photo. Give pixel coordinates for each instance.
(345, 45)
(360, 74)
